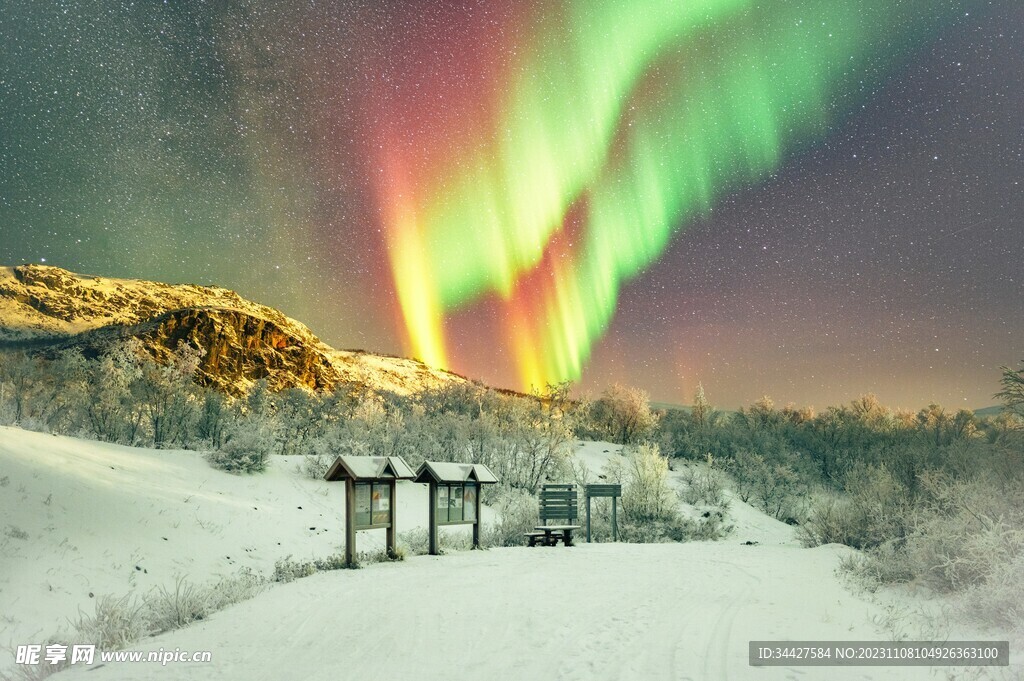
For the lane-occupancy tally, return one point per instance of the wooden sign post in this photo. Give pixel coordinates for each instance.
(613, 491)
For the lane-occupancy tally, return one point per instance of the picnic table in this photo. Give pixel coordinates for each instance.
(548, 535)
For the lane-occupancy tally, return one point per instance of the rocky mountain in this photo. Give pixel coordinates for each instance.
(45, 309)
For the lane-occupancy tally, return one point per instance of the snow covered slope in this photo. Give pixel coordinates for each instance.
(81, 519)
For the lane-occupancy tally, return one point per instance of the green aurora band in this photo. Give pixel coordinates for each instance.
(637, 115)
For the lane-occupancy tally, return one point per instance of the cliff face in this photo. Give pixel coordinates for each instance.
(44, 309)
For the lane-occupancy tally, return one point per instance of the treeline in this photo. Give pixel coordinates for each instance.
(126, 397)
(833, 447)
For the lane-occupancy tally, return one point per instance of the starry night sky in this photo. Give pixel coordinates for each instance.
(240, 144)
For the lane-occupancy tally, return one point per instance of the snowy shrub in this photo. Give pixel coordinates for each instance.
(875, 509)
(1000, 599)
(646, 494)
(885, 563)
(235, 589)
(832, 520)
(705, 485)
(248, 450)
(116, 623)
(651, 532)
(965, 532)
(517, 513)
(167, 610)
(958, 536)
(384, 556)
(119, 622)
(315, 466)
(711, 526)
(416, 542)
(775, 487)
(288, 570)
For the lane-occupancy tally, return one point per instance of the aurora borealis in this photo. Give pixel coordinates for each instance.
(802, 198)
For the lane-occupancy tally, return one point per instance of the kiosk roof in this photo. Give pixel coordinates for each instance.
(369, 468)
(441, 471)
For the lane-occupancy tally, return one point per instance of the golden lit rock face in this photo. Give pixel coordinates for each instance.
(45, 309)
(242, 348)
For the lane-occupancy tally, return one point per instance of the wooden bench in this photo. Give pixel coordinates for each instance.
(550, 535)
(558, 502)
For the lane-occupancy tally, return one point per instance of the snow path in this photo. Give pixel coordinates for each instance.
(599, 611)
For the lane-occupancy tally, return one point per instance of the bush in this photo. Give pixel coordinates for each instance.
(235, 589)
(965, 532)
(960, 536)
(711, 526)
(773, 486)
(247, 451)
(167, 610)
(646, 494)
(416, 542)
(1000, 599)
(832, 520)
(704, 485)
(315, 466)
(287, 570)
(116, 623)
(876, 509)
(517, 514)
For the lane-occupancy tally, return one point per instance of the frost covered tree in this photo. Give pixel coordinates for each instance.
(214, 417)
(702, 412)
(623, 414)
(62, 390)
(1012, 394)
(166, 395)
(300, 416)
(17, 374)
(646, 494)
(107, 407)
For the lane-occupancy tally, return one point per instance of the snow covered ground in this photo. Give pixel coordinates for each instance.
(82, 519)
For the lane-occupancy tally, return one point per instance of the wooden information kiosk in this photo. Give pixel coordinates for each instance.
(454, 495)
(370, 486)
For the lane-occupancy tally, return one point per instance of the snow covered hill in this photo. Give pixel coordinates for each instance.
(82, 519)
(46, 309)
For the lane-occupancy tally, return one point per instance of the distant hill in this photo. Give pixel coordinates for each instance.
(45, 309)
(669, 406)
(989, 411)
